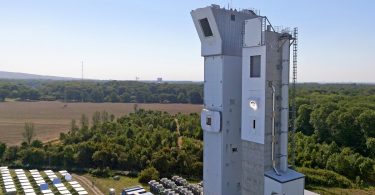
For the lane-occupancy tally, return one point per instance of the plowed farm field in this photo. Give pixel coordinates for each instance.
(52, 118)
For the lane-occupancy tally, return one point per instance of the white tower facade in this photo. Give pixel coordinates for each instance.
(219, 31)
(245, 115)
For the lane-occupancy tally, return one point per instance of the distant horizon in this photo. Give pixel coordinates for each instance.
(67, 78)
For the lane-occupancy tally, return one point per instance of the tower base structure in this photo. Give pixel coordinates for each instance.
(290, 182)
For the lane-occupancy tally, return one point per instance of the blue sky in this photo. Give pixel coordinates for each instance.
(124, 39)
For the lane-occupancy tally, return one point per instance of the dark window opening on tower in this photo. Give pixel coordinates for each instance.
(208, 121)
(233, 17)
(255, 66)
(253, 124)
(205, 25)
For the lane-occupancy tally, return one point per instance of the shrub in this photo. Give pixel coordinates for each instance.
(106, 172)
(148, 174)
(321, 177)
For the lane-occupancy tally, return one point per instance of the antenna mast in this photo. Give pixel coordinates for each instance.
(82, 81)
(82, 71)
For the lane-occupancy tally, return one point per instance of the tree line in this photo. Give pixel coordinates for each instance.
(334, 143)
(102, 91)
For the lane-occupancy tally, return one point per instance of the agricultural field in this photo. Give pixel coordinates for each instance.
(53, 117)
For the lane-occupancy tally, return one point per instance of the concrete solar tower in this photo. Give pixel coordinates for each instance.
(220, 32)
(245, 115)
(265, 111)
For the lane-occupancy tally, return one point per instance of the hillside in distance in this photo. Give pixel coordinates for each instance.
(27, 76)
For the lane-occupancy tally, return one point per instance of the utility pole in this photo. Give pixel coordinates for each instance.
(82, 71)
(82, 81)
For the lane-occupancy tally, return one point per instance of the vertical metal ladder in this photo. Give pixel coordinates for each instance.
(293, 96)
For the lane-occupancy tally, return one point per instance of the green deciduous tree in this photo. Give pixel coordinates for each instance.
(3, 148)
(84, 121)
(370, 144)
(318, 121)
(148, 174)
(29, 132)
(303, 120)
(367, 122)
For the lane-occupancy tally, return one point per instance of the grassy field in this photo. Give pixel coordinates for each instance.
(340, 191)
(105, 183)
(52, 118)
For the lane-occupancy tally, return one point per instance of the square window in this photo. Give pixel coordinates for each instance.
(255, 66)
(205, 25)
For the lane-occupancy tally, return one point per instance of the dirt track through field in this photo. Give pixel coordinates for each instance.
(87, 184)
(53, 118)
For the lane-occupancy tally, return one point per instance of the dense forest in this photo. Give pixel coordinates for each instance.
(334, 143)
(102, 91)
(336, 132)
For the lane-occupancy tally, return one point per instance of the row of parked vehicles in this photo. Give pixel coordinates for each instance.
(175, 186)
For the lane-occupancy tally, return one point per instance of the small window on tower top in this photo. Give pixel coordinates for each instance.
(233, 17)
(205, 25)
